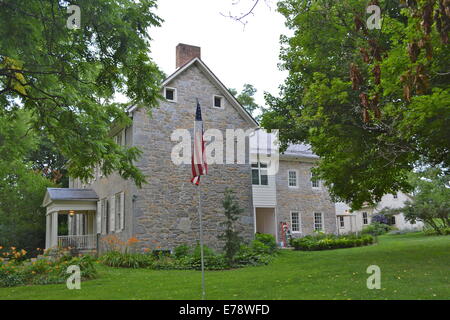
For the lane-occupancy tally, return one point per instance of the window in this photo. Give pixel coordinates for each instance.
(119, 138)
(292, 178)
(105, 216)
(259, 174)
(315, 183)
(365, 218)
(341, 222)
(395, 196)
(391, 220)
(295, 221)
(117, 209)
(218, 102)
(318, 221)
(170, 94)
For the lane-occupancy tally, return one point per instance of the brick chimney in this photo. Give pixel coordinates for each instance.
(186, 53)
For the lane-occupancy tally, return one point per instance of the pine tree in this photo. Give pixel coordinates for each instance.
(230, 235)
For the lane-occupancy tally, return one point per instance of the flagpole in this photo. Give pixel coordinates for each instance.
(201, 240)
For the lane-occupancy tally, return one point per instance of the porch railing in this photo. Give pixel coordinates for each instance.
(87, 241)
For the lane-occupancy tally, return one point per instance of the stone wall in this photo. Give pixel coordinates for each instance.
(303, 199)
(166, 208)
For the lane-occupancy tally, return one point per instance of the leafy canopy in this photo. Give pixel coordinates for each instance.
(68, 78)
(372, 103)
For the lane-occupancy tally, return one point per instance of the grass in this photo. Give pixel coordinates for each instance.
(413, 266)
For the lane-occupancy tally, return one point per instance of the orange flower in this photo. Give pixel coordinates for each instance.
(132, 240)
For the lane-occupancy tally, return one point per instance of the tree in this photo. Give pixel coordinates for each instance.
(430, 200)
(230, 235)
(22, 219)
(68, 78)
(247, 99)
(373, 104)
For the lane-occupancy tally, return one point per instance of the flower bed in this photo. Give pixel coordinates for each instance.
(258, 252)
(46, 270)
(328, 242)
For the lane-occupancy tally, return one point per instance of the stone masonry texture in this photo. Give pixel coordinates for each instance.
(165, 214)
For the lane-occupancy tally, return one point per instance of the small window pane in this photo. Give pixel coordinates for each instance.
(318, 224)
(341, 222)
(292, 177)
(295, 221)
(365, 219)
(170, 93)
(264, 179)
(217, 102)
(255, 176)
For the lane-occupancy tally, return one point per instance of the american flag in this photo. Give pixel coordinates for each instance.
(199, 166)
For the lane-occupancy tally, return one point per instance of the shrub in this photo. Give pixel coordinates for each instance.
(376, 229)
(182, 251)
(433, 232)
(380, 218)
(268, 240)
(126, 259)
(312, 243)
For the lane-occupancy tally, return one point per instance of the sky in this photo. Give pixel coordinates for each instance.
(237, 54)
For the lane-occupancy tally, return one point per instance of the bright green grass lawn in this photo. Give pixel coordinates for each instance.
(413, 266)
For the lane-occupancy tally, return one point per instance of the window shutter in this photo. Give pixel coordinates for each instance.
(112, 214)
(122, 210)
(123, 137)
(98, 216)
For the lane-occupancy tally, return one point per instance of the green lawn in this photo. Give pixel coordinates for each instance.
(413, 266)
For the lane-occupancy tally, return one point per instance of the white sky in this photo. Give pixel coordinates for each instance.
(236, 54)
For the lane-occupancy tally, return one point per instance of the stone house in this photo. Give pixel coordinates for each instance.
(163, 213)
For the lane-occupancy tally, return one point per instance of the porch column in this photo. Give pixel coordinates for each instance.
(54, 232)
(48, 230)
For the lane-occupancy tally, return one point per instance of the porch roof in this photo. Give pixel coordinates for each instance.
(58, 194)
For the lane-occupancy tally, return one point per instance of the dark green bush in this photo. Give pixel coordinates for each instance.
(182, 251)
(268, 240)
(312, 243)
(433, 232)
(376, 229)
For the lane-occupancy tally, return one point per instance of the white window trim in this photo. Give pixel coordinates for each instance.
(175, 94)
(343, 221)
(322, 219)
(312, 186)
(367, 218)
(222, 100)
(299, 222)
(296, 178)
(259, 175)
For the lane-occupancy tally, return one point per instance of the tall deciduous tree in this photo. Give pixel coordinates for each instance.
(373, 103)
(247, 98)
(22, 219)
(68, 77)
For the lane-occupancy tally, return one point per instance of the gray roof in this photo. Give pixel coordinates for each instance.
(71, 194)
(303, 150)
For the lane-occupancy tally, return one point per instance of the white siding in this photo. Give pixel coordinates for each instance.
(265, 196)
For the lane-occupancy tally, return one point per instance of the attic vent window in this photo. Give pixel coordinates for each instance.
(218, 102)
(170, 94)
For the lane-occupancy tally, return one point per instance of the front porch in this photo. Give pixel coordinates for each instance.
(80, 206)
